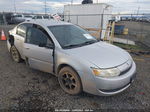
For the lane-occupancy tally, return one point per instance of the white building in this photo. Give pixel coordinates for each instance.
(89, 15)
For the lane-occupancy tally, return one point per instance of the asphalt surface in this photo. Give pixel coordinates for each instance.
(25, 89)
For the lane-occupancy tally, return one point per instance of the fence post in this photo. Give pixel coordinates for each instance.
(4, 19)
(101, 26)
(77, 19)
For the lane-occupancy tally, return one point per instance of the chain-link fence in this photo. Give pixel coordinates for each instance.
(134, 27)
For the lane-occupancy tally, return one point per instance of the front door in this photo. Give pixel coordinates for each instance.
(38, 49)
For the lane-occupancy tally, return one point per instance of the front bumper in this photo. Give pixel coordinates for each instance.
(111, 86)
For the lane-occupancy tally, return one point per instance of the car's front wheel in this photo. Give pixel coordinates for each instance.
(70, 81)
(15, 54)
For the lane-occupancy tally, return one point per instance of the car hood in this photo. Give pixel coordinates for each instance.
(101, 54)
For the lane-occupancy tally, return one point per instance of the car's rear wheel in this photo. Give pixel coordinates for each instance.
(15, 54)
(70, 81)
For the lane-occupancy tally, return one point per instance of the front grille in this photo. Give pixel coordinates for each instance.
(125, 71)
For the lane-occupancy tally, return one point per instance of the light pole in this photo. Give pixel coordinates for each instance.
(15, 6)
(45, 8)
(71, 2)
(138, 8)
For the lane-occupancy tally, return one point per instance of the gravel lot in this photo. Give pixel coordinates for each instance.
(22, 88)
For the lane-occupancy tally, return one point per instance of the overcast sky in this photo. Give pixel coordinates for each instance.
(54, 6)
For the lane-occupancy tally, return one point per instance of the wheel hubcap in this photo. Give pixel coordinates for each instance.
(14, 54)
(68, 81)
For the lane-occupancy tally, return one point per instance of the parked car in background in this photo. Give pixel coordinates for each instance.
(28, 17)
(46, 17)
(37, 17)
(56, 17)
(42, 17)
(80, 62)
(126, 18)
(17, 18)
(116, 18)
(144, 18)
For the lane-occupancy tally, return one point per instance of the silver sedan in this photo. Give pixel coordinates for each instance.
(80, 62)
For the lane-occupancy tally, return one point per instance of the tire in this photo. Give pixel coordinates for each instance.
(70, 81)
(15, 54)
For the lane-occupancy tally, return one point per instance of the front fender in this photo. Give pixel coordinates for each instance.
(81, 66)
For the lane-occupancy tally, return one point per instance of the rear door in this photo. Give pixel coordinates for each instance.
(38, 49)
(20, 37)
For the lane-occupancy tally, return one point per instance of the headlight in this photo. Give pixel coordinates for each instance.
(106, 73)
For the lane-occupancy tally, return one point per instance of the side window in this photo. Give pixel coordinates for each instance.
(46, 17)
(37, 36)
(21, 30)
(39, 17)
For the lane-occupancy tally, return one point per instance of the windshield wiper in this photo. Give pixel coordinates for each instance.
(89, 42)
(79, 45)
(72, 45)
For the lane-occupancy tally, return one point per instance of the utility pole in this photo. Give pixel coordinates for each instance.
(15, 6)
(45, 8)
(71, 2)
(138, 8)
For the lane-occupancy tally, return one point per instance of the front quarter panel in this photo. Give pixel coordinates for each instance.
(81, 66)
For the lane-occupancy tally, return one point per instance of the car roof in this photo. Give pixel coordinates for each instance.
(49, 22)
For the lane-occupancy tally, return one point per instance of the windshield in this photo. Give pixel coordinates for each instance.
(70, 36)
(17, 16)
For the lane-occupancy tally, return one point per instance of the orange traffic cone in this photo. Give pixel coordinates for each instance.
(3, 37)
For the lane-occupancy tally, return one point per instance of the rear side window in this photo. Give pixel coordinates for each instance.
(39, 17)
(46, 17)
(21, 30)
